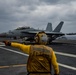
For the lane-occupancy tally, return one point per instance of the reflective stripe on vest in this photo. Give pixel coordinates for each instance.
(39, 59)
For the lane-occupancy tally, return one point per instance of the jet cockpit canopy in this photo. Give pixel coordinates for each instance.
(22, 28)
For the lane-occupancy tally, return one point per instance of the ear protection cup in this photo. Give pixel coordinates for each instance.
(37, 38)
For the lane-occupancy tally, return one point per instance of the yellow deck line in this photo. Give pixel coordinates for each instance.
(10, 66)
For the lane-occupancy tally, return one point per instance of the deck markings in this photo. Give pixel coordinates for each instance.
(66, 66)
(14, 51)
(10, 66)
(60, 53)
(66, 54)
(2, 45)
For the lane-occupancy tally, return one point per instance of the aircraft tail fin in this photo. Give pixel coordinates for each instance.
(58, 28)
(49, 27)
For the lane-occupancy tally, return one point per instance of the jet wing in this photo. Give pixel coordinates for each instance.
(51, 35)
(48, 33)
(28, 34)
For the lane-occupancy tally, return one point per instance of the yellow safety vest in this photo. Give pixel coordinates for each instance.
(39, 59)
(43, 56)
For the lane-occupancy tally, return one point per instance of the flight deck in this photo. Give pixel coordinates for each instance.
(14, 62)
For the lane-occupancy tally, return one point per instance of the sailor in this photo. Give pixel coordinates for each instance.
(41, 57)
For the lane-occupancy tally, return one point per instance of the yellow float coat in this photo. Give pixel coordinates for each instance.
(26, 49)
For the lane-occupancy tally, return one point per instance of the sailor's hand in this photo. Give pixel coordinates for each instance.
(7, 43)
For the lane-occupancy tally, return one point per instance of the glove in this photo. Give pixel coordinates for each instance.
(56, 74)
(7, 43)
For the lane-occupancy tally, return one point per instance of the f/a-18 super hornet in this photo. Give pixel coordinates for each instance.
(28, 32)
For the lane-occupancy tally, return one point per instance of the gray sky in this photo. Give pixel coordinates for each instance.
(37, 13)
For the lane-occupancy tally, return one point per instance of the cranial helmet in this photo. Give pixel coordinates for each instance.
(41, 38)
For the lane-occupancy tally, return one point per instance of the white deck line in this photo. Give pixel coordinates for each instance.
(63, 65)
(65, 54)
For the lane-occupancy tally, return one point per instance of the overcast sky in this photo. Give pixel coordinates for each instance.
(37, 13)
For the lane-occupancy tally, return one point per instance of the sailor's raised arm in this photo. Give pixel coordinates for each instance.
(24, 48)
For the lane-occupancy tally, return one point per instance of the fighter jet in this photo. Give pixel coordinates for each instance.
(28, 32)
(52, 34)
(19, 32)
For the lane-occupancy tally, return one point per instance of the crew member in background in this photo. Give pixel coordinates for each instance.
(41, 57)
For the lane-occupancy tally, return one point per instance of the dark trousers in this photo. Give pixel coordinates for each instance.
(42, 73)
